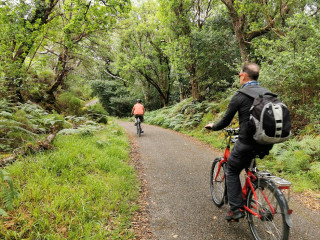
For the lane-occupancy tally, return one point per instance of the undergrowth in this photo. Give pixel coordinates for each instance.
(84, 189)
(28, 123)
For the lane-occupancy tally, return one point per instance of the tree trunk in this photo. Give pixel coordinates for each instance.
(243, 47)
(194, 81)
(195, 89)
(238, 27)
(181, 91)
(61, 72)
(244, 36)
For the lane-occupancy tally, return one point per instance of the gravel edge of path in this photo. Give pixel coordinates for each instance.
(140, 220)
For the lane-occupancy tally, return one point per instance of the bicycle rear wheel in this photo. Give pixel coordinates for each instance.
(218, 182)
(139, 128)
(269, 220)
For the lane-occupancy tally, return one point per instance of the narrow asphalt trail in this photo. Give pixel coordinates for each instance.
(177, 171)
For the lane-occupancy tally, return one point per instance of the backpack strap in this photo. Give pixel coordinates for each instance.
(256, 91)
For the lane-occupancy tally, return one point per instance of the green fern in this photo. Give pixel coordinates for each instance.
(315, 172)
(5, 105)
(7, 192)
(3, 213)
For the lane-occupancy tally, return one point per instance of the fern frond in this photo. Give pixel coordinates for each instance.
(3, 213)
(8, 192)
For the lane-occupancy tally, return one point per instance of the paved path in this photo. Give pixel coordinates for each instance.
(177, 172)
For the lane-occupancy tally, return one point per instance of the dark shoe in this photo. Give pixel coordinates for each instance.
(142, 131)
(235, 215)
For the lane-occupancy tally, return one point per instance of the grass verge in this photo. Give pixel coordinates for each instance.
(83, 189)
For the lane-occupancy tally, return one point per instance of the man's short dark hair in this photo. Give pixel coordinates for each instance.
(252, 70)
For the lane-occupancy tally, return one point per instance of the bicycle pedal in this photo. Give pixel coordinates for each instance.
(234, 220)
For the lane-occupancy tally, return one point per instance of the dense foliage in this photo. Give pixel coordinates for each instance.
(24, 125)
(42, 42)
(61, 53)
(291, 67)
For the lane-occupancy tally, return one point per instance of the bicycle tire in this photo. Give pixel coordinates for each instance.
(139, 127)
(269, 225)
(218, 185)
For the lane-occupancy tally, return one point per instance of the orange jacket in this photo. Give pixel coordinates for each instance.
(138, 109)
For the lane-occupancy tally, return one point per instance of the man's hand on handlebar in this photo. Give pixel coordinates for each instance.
(209, 126)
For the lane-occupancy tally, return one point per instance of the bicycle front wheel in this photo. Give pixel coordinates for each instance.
(139, 129)
(218, 182)
(267, 212)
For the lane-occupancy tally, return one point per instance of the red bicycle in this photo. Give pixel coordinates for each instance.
(266, 207)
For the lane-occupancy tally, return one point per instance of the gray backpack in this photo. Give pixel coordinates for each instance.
(269, 117)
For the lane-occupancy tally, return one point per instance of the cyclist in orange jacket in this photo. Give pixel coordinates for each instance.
(138, 111)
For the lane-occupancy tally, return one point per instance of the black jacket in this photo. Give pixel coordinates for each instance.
(240, 103)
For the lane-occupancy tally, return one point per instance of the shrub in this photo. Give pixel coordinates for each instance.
(70, 104)
(5, 105)
(186, 114)
(98, 108)
(22, 117)
(46, 76)
(54, 120)
(298, 161)
(97, 113)
(315, 172)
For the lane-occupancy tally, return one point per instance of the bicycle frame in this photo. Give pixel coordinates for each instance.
(264, 203)
(225, 159)
(248, 183)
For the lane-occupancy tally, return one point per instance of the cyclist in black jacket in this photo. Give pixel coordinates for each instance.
(246, 148)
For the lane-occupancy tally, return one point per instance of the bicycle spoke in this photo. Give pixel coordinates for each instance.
(217, 183)
(268, 220)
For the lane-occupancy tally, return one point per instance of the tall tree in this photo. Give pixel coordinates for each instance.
(139, 54)
(22, 25)
(55, 28)
(291, 64)
(183, 18)
(254, 18)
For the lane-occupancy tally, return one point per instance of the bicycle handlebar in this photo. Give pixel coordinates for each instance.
(232, 131)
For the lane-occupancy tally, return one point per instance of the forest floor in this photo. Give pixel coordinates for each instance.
(175, 194)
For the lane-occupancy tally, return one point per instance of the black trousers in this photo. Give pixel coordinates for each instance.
(240, 158)
(139, 116)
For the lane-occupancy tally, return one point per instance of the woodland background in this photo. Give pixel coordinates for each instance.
(61, 53)
(58, 56)
(68, 66)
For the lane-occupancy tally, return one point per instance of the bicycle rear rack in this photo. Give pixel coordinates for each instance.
(282, 184)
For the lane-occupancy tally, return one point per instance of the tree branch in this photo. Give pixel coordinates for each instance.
(113, 75)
